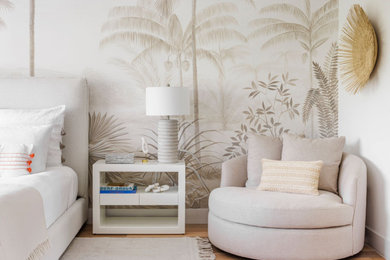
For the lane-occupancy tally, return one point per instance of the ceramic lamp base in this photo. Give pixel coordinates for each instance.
(167, 141)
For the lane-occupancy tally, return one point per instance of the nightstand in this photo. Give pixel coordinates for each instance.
(139, 221)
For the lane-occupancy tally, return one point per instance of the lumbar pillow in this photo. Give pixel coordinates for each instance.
(38, 136)
(15, 159)
(328, 150)
(50, 116)
(259, 147)
(290, 176)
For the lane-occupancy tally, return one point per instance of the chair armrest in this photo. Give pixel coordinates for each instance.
(353, 191)
(234, 172)
(352, 180)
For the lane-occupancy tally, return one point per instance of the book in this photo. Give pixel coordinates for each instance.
(119, 158)
(112, 186)
(119, 191)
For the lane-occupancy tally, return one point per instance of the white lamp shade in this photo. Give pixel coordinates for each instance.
(167, 101)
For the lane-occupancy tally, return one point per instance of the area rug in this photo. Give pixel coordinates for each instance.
(105, 248)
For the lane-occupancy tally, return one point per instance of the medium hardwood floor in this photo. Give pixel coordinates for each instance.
(368, 252)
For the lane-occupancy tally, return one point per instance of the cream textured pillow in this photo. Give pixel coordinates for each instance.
(328, 150)
(290, 176)
(259, 147)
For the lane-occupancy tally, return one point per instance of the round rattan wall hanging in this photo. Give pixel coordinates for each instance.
(358, 50)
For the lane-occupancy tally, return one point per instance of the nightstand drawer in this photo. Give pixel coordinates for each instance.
(119, 199)
(170, 197)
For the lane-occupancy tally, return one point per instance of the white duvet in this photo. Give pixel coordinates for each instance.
(57, 186)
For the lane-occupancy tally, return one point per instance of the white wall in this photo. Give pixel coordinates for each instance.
(365, 121)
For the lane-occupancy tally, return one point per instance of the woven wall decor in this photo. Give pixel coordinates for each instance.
(358, 50)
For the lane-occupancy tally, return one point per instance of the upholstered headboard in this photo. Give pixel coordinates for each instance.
(48, 92)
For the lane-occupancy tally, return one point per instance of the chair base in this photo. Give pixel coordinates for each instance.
(270, 243)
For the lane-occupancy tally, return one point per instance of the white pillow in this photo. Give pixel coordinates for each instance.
(51, 116)
(38, 136)
(15, 159)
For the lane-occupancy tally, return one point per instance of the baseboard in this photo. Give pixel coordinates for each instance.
(378, 242)
(193, 216)
(197, 216)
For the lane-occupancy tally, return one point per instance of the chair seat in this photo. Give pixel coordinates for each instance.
(279, 210)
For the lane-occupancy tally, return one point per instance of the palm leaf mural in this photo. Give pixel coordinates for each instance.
(153, 26)
(164, 7)
(214, 10)
(144, 72)
(106, 135)
(266, 115)
(5, 5)
(325, 97)
(310, 29)
(200, 162)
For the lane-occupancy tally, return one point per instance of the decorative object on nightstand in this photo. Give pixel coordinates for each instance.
(145, 149)
(157, 188)
(167, 101)
(153, 220)
(113, 158)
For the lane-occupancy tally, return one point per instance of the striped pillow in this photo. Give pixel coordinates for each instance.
(290, 176)
(15, 159)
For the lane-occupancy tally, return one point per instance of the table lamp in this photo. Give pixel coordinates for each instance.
(166, 102)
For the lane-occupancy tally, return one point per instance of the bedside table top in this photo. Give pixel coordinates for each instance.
(151, 166)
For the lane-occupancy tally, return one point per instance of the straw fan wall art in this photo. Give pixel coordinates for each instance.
(358, 50)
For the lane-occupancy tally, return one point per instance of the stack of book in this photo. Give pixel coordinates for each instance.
(119, 158)
(118, 188)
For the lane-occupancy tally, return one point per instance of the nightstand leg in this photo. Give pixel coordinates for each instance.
(182, 200)
(96, 178)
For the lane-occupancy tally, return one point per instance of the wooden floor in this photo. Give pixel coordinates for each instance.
(368, 252)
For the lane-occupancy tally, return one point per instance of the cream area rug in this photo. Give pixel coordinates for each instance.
(105, 248)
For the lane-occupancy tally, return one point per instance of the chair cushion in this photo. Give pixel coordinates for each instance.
(328, 150)
(279, 210)
(260, 147)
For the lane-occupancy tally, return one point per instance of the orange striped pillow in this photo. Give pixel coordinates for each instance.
(291, 176)
(15, 159)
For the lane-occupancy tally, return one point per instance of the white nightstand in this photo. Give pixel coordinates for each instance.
(104, 223)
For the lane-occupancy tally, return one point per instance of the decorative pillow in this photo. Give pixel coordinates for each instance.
(290, 176)
(259, 147)
(38, 136)
(328, 150)
(15, 159)
(51, 116)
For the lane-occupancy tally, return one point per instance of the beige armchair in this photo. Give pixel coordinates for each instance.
(272, 225)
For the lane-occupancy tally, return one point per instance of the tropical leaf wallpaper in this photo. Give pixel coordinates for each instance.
(261, 66)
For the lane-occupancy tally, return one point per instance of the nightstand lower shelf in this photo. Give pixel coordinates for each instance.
(137, 225)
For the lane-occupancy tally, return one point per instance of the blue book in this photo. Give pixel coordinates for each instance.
(117, 187)
(119, 191)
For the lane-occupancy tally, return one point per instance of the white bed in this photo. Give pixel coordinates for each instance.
(57, 186)
(64, 190)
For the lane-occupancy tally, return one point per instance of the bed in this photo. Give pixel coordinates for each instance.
(64, 190)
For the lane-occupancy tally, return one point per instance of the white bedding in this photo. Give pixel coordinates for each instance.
(57, 186)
